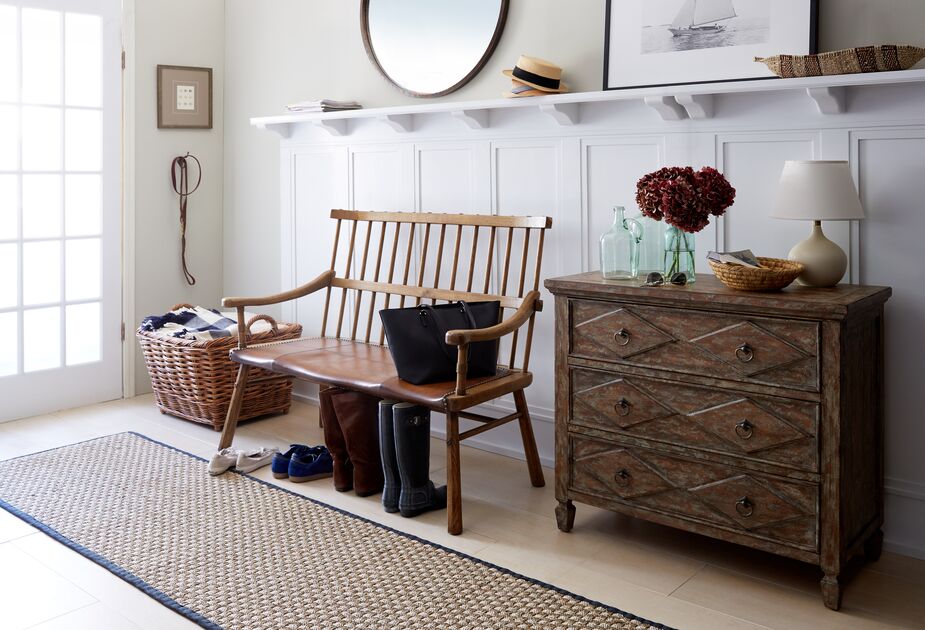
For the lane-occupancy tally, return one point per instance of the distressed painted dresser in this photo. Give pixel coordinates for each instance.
(756, 418)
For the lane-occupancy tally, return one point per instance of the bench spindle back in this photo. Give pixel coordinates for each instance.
(399, 259)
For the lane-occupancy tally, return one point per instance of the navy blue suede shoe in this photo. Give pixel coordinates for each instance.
(280, 465)
(311, 465)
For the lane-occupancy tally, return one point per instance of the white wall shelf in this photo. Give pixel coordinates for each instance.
(671, 103)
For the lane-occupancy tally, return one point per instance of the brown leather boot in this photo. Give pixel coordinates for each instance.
(334, 439)
(358, 416)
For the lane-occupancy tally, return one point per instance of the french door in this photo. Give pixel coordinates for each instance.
(60, 219)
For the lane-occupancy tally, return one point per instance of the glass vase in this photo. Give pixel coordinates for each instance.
(651, 246)
(679, 253)
(620, 247)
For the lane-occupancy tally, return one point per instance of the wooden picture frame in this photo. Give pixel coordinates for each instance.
(184, 97)
(635, 50)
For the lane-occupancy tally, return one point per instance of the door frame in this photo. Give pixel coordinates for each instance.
(129, 347)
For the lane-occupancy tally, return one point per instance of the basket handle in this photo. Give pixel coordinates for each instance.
(257, 318)
(177, 307)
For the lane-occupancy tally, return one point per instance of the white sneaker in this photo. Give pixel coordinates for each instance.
(222, 461)
(249, 461)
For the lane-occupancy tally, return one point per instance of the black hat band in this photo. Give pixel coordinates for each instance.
(524, 75)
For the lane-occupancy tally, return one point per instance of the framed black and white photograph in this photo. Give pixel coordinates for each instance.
(676, 42)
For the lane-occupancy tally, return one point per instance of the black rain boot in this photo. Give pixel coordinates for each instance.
(411, 424)
(392, 487)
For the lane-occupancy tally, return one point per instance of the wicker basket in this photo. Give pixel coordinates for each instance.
(774, 274)
(194, 379)
(848, 61)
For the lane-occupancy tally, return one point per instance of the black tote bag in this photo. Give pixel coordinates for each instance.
(417, 340)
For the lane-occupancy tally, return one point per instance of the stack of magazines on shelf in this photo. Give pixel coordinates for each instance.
(324, 105)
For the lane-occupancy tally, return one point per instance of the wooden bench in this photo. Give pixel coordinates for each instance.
(399, 259)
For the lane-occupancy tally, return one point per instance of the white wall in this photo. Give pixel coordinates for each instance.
(291, 50)
(175, 32)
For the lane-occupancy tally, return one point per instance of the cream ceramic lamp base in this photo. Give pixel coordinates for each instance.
(825, 261)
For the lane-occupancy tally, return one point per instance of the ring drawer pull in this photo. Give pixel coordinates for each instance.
(622, 336)
(745, 429)
(745, 507)
(622, 407)
(622, 477)
(744, 353)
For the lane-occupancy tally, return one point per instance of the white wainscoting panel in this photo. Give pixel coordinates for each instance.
(521, 161)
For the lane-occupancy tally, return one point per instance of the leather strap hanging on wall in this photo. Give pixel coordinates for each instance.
(181, 187)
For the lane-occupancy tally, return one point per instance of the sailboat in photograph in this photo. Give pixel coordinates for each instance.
(702, 16)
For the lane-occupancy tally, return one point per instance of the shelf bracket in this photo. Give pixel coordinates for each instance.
(698, 106)
(566, 114)
(830, 100)
(333, 126)
(283, 129)
(401, 123)
(667, 107)
(472, 118)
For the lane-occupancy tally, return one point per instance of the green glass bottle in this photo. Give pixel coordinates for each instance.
(620, 247)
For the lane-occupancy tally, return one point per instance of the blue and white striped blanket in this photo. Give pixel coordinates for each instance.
(197, 323)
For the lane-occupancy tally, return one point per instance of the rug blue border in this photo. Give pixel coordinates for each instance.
(195, 617)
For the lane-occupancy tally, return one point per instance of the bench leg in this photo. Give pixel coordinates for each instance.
(234, 409)
(453, 477)
(526, 433)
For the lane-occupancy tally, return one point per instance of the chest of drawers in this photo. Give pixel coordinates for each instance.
(756, 418)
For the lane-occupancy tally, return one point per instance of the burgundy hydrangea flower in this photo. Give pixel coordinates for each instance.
(716, 193)
(683, 198)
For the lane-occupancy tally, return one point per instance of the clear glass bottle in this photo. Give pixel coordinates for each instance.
(620, 247)
(652, 246)
(679, 253)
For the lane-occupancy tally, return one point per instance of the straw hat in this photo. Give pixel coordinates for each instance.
(543, 76)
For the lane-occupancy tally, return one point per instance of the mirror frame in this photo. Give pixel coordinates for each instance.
(370, 52)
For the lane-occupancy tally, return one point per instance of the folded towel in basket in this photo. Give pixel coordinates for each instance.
(198, 324)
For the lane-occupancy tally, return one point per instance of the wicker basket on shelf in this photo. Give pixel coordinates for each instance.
(194, 379)
(849, 61)
(773, 275)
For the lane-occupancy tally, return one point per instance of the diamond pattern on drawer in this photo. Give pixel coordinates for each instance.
(747, 426)
(748, 348)
(617, 472)
(747, 501)
(617, 402)
(619, 332)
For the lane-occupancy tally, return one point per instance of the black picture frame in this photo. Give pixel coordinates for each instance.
(813, 49)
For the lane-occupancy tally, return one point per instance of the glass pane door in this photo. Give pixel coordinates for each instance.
(60, 265)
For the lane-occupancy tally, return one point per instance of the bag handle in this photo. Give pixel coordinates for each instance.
(441, 339)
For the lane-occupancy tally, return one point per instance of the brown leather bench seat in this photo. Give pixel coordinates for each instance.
(368, 368)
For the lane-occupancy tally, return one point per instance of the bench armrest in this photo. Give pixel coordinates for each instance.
(322, 281)
(520, 317)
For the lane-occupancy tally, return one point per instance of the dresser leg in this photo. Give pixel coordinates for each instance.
(565, 515)
(874, 546)
(831, 591)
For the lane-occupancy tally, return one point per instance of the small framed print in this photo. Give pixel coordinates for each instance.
(651, 43)
(184, 97)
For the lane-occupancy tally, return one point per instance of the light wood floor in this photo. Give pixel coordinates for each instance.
(679, 579)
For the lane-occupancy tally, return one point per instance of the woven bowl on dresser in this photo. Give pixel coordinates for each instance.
(774, 274)
(195, 379)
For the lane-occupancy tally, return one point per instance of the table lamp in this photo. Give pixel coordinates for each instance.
(818, 191)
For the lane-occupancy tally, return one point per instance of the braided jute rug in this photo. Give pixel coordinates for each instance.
(235, 552)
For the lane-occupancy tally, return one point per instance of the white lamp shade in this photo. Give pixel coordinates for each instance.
(817, 191)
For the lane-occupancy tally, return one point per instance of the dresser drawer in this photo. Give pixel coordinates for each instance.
(742, 501)
(732, 347)
(762, 428)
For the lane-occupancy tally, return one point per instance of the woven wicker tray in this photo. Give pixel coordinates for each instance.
(849, 61)
(774, 274)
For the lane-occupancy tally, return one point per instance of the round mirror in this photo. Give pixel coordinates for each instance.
(431, 47)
